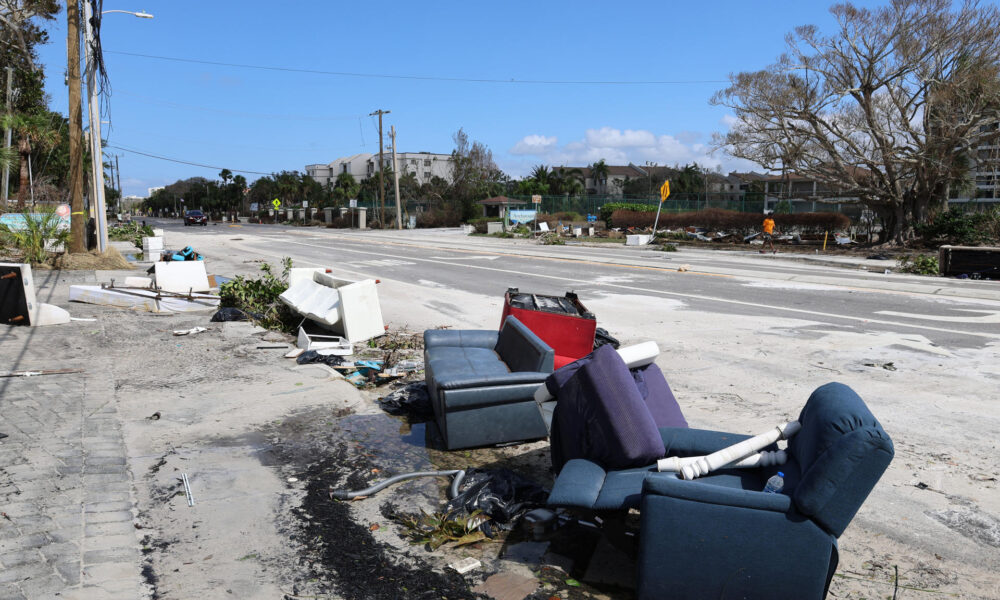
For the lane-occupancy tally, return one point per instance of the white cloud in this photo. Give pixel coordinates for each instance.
(534, 144)
(728, 121)
(617, 147)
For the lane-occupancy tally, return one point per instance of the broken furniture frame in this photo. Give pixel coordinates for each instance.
(160, 294)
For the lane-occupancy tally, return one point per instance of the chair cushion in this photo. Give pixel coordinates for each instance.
(600, 415)
(453, 362)
(659, 399)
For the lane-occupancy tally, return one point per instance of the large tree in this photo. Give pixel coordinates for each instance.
(475, 176)
(885, 109)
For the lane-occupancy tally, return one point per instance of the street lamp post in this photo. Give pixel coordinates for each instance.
(97, 168)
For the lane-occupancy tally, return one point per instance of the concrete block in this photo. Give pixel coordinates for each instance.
(577, 231)
(637, 240)
(152, 243)
(181, 276)
(494, 227)
(157, 232)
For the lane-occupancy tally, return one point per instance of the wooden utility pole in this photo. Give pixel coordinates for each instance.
(78, 218)
(10, 111)
(395, 175)
(381, 189)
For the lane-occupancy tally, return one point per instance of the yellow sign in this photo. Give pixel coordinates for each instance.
(664, 191)
(276, 203)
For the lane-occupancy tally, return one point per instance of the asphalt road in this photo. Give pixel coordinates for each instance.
(950, 313)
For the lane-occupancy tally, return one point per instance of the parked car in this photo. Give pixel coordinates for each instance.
(195, 217)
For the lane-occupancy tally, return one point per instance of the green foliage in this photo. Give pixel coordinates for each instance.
(259, 297)
(668, 248)
(551, 239)
(437, 529)
(611, 207)
(922, 264)
(955, 226)
(41, 230)
(783, 207)
(130, 232)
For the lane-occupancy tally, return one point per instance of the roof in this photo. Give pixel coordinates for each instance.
(499, 201)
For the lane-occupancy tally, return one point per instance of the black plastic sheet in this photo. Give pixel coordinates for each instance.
(229, 313)
(411, 401)
(500, 494)
(311, 356)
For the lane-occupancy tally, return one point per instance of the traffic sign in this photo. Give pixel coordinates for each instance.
(664, 190)
(276, 204)
(536, 199)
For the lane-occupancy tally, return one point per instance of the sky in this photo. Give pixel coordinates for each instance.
(554, 83)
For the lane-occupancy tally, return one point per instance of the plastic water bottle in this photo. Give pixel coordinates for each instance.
(775, 484)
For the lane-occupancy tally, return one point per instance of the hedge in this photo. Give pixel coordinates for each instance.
(608, 209)
(728, 220)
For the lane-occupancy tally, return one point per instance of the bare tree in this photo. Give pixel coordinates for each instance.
(16, 17)
(887, 109)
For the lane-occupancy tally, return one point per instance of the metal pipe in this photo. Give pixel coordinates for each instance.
(452, 490)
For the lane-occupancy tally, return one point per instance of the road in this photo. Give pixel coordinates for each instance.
(950, 313)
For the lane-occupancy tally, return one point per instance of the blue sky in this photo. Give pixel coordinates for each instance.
(267, 120)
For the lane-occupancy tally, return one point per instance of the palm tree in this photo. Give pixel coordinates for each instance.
(540, 174)
(30, 129)
(8, 156)
(599, 173)
(345, 187)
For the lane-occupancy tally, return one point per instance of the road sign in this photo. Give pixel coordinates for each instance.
(536, 199)
(253, 207)
(522, 216)
(305, 204)
(664, 191)
(353, 202)
(276, 203)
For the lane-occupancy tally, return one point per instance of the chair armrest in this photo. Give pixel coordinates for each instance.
(522, 350)
(663, 484)
(682, 441)
(463, 338)
(578, 485)
(459, 383)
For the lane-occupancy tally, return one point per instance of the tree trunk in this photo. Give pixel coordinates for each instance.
(24, 149)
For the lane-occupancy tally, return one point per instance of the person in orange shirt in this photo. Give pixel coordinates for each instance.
(768, 228)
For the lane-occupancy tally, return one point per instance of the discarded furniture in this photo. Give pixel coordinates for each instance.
(345, 306)
(720, 536)
(481, 383)
(18, 303)
(313, 337)
(562, 322)
(145, 299)
(983, 263)
(637, 240)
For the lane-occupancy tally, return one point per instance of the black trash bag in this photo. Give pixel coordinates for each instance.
(502, 495)
(229, 313)
(311, 356)
(602, 337)
(411, 401)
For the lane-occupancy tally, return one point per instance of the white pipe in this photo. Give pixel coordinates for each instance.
(767, 458)
(736, 452)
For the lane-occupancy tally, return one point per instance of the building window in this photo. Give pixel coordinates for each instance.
(413, 161)
(427, 174)
(344, 167)
(427, 162)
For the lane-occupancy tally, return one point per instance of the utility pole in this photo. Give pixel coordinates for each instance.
(395, 174)
(77, 220)
(118, 176)
(97, 201)
(381, 190)
(10, 93)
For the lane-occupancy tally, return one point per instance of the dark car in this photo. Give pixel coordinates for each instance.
(195, 217)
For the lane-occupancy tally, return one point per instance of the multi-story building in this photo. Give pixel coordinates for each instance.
(425, 165)
(986, 163)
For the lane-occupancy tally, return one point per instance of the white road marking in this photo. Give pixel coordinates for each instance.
(466, 257)
(984, 316)
(676, 294)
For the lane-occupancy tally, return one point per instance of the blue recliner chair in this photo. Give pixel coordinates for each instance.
(720, 537)
(481, 383)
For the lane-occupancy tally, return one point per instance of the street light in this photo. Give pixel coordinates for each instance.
(97, 168)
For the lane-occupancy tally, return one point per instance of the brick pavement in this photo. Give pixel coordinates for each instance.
(65, 486)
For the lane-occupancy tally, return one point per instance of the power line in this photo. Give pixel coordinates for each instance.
(418, 77)
(184, 162)
(153, 100)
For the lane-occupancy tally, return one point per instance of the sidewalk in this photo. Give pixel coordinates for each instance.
(65, 487)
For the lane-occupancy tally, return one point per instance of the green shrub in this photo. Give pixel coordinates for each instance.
(551, 239)
(729, 220)
(130, 232)
(608, 209)
(956, 226)
(40, 231)
(439, 217)
(668, 248)
(258, 297)
(922, 264)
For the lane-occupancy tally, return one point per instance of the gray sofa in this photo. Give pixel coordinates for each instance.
(481, 383)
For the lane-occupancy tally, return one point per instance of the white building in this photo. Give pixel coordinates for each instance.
(425, 165)
(356, 165)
